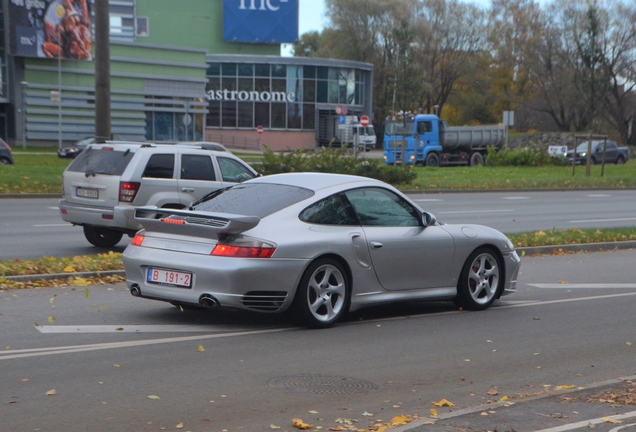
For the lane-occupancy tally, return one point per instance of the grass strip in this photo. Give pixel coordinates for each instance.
(113, 260)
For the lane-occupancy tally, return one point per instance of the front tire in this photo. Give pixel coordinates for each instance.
(480, 280)
(102, 237)
(432, 160)
(476, 159)
(323, 295)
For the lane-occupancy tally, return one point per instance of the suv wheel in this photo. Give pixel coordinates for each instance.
(102, 237)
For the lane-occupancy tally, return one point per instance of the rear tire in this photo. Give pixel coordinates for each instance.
(620, 160)
(323, 295)
(4, 161)
(476, 159)
(102, 237)
(432, 160)
(480, 281)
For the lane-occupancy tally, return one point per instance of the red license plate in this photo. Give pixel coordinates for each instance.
(169, 277)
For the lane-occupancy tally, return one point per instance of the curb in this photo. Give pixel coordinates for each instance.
(523, 251)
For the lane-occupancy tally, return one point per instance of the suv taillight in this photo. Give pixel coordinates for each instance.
(128, 191)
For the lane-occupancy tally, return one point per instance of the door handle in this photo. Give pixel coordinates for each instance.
(185, 189)
(376, 245)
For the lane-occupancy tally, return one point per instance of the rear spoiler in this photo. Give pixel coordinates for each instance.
(194, 223)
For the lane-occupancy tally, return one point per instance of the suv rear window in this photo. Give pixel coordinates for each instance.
(100, 161)
(255, 199)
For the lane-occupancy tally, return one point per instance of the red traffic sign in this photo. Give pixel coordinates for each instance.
(259, 129)
(364, 120)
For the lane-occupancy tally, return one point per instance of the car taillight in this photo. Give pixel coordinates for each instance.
(128, 191)
(242, 251)
(5, 143)
(137, 240)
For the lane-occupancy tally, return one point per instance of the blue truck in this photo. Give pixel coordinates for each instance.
(426, 140)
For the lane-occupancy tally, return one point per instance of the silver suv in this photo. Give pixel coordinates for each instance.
(104, 184)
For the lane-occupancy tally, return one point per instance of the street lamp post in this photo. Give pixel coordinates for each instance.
(24, 123)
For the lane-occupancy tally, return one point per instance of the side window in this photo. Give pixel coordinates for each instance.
(380, 207)
(425, 126)
(611, 145)
(234, 171)
(334, 210)
(197, 167)
(159, 166)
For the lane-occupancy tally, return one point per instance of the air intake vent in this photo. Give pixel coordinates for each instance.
(264, 300)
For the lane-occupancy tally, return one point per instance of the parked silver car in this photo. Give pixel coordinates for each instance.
(104, 184)
(320, 244)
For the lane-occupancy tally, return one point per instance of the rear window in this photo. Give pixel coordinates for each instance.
(98, 161)
(256, 199)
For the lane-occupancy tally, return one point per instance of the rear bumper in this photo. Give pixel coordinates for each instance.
(263, 285)
(120, 217)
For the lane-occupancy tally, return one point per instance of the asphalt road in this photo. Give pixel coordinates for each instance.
(113, 362)
(32, 228)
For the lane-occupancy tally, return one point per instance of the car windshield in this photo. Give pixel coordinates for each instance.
(101, 161)
(583, 146)
(254, 199)
(398, 127)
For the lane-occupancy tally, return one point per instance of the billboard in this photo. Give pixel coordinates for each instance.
(51, 28)
(260, 21)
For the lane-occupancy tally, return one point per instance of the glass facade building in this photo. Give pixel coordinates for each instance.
(284, 93)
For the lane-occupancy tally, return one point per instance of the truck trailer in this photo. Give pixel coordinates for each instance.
(425, 139)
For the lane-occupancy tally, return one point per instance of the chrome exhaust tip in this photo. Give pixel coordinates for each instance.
(135, 291)
(208, 301)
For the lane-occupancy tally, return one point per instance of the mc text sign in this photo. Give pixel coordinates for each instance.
(260, 21)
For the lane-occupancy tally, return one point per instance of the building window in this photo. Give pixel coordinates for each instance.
(141, 27)
(115, 25)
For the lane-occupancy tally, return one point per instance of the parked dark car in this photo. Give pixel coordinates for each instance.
(74, 150)
(613, 153)
(6, 157)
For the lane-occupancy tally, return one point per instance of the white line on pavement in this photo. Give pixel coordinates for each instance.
(36, 352)
(515, 198)
(134, 329)
(584, 285)
(602, 220)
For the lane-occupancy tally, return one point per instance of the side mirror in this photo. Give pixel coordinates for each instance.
(428, 219)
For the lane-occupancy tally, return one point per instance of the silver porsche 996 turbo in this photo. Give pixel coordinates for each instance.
(318, 244)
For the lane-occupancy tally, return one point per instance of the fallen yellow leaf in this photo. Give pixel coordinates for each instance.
(69, 269)
(443, 403)
(86, 293)
(200, 348)
(179, 426)
(78, 281)
(504, 398)
(298, 423)
(273, 426)
(181, 308)
(433, 412)
(564, 387)
(493, 392)
(611, 420)
(101, 308)
(51, 320)
(312, 412)
(153, 397)
(53, 298)
(51, 392)
(400, 420)
(116, 365)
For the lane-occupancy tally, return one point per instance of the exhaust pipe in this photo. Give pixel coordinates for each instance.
(208, 301)
(135, 291)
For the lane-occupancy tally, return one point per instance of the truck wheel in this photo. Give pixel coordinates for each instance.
(620, 160)
(476, 159)
(432, 160)
(102, 237)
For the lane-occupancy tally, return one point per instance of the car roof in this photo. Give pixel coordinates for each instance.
(316, 181)
(134, 146)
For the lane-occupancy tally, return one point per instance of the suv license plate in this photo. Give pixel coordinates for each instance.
(87, 193)
(169, 277)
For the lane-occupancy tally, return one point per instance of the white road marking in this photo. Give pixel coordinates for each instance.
(37, 352)
(586, 423)
(585, 285)
(52, 225)
(602, 220)
(134, 329)
(597, 195)
(53, 208)
(477, 211)
(515, 198)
